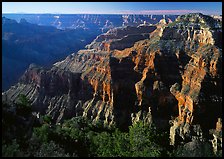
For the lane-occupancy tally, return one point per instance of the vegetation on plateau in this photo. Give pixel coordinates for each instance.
(24, 135)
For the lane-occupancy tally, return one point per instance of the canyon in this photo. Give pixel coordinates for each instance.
(168, 74)
(24, 43)
(102, 22)
(44, 39)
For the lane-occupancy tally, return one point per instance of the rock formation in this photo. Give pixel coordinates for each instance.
(217, 136)
(201, 79)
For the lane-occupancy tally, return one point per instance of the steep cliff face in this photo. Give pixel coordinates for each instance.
(147, 73)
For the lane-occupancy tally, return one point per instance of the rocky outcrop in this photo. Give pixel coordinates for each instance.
(200, 76)
(217, 137)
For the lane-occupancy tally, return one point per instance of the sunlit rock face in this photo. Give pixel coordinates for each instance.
(199, 96)
(128, 74)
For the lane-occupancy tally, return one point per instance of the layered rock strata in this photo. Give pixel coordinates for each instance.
(129, 74)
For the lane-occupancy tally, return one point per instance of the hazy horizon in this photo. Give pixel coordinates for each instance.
(101, 14)
(138, 8)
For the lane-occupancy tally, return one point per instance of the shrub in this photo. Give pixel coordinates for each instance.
(42, 133)
(23, 107)
(50, 150)
(121, 143)
(11, 150)
(47, 119)
(142, 140)
(194, 149)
